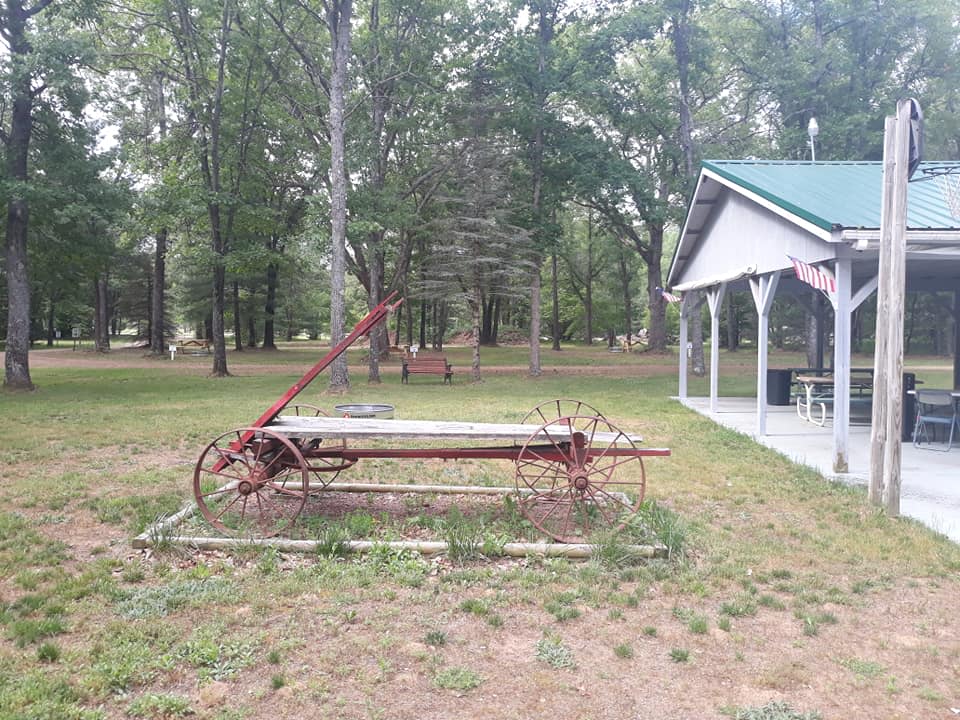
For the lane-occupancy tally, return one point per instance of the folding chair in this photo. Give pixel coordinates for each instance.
(935, 407)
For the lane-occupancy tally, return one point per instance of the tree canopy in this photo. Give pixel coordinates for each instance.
(254, 169)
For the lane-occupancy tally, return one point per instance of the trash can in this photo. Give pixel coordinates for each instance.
(909, 406)
(778, 387)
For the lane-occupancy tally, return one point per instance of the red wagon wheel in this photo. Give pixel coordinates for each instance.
(561, 407)
(255, 487)
(579, 475)
(325, 460)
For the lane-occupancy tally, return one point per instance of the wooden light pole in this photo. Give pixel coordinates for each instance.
(885, 431)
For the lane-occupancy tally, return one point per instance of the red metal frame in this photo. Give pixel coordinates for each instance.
(362, 328)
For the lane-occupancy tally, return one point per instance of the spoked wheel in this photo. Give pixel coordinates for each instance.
(325, 460)
(562, 407)
(256, 487)
(579, 475)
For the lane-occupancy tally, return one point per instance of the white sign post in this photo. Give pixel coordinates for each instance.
(173, 351)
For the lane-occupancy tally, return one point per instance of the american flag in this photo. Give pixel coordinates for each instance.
(811, 276)
(669, 297)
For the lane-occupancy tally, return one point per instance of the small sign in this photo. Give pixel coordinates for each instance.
(173, 351)
(57, 334)
(76, 332)
(414, 349)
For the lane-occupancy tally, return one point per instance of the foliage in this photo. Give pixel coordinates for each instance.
(456, 678)
(774, 710)
(551, 650)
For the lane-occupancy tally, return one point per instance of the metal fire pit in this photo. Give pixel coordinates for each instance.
(359, 410)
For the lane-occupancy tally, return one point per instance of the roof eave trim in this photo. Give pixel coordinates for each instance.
(683, 231)
(798, 216)
(748, 271)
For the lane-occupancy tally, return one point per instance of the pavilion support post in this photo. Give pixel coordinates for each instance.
(843, 272)
(763, 288)
(956, 339)
(885, 436)
(686, 303)
(715, 300)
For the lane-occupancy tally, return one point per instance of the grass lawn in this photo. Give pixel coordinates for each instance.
(786, 596)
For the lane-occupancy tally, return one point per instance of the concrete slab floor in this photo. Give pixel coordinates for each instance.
(930, 478)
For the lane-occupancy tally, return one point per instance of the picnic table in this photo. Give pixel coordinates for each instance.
(197, 346)
(817, 392)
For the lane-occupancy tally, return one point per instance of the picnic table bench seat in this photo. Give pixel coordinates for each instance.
(427, 365)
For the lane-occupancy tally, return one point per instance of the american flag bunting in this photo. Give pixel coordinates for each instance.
(813, 277)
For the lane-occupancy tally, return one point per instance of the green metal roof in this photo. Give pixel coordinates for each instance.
(838, 194)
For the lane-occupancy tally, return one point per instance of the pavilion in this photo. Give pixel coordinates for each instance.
(748, 218)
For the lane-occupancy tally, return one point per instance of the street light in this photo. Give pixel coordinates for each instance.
(813, 130)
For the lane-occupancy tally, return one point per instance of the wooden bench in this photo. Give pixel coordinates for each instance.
(427, 365)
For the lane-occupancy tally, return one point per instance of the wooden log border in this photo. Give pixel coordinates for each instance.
(166, 531)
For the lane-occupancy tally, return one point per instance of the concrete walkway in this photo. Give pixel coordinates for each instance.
(930, 480)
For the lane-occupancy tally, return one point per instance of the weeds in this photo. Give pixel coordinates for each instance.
(862, 668)
(561, 606)
(679, 655)
(332, 541)
(475, 606)
(456, 678)
(162, 600)
(552, 651)
(138, 512)
(463, 538)
(436, 638)
(159, 706)
(742, 606)
(771, 711)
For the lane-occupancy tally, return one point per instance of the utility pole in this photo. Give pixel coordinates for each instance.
(886, 428)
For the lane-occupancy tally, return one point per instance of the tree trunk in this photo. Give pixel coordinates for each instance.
(17, 364)
(657, 332)
(251, 330)
(588, 308)
(475, 303)
(495, 330)
(423, 323)
(811, 332)
(698, 364)
(731, 324)
(270, 309)
(486, 321)
(101, 326)
(535, 369)
(237, 335)
(216, 320)
(338, 23)
(158, 297)
(374, 297)
(555, 292)
(627, 300)
(51, 323)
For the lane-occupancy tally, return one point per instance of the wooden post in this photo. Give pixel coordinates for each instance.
(885, 439)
